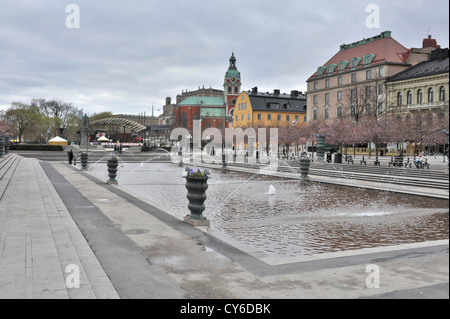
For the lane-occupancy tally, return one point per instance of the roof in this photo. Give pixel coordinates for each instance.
(261, 101)
(130, 124)
(383, 48)
(426, 68)
(203, 100)
(57, 139)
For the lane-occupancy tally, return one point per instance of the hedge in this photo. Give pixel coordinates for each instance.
(35, 147)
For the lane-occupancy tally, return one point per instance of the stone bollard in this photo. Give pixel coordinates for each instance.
(112, 163)
(84, 161)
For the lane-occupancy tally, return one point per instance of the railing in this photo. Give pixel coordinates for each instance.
(429, 105)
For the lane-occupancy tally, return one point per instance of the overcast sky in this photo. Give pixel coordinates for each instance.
(129, 55)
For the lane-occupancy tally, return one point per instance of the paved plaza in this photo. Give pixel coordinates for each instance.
(57, 221)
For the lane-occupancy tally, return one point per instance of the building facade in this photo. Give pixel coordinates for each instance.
(258, 109)
(421, 88)
(352, 82)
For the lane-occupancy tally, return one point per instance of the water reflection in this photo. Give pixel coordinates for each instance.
(301, 218)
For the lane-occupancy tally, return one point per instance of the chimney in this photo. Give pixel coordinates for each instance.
(255, 89)
(294, 93)
(430, 43)
(276, 92)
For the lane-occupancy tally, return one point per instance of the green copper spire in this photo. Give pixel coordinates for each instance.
(232, 70)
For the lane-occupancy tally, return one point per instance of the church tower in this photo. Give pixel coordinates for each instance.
(231, 86)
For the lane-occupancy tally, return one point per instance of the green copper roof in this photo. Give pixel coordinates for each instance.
(232, 70)
(203, 100)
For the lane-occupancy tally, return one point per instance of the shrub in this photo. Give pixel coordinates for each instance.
(36, 147)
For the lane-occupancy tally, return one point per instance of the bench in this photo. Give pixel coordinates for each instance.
(408, 163)
(349, 159)
(363, 161)
(376, 162)
(396, 161)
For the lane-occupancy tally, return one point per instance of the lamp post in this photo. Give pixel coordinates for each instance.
(446, 133)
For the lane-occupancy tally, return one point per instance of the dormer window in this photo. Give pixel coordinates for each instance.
(343, 65)
(331, 68)
(320, 70)
(355, 62)
(368, 58)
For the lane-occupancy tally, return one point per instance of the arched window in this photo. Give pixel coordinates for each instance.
(339, 111)
(399, 98)
(409, 98)
(430, 95)
(327, 112)
(442, 94)
(236, 89)
(419, 97)
(229, 89)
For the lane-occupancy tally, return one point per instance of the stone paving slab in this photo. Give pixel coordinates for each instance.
(39, 239)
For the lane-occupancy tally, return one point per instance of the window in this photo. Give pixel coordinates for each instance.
(269, 117)
(354, 62)
(353, 94)
(236, 118)
(368, 92)
(315, 114)
(316, 99)
(259, 116)
(380, 108)
(327, 113)
(409, 98)
(352, 110)
(245, 105)
(229, 89)
(327, 98)
(419, 97)
(296, 118)
(381, 72)
(236, 89)
(368, 74)
(339, 80)
(367, 109)
(327, 83)
(316, 85)
(380, 88)
(248, 117)
(331, 68)
(278, 117)
(288, 118)
(320, 70)
(339, 111)
(242, 97)
(242, 117)
(430, 95)
(442, 94)
(368, 58)
(353, 77)
(339, 96)
(343, 65)
(399, 99)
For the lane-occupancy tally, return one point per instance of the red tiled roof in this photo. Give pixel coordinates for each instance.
(385, 50)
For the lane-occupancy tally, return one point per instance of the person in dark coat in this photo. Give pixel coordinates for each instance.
(70, 156)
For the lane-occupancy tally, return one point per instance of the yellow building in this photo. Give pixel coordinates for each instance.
(257, 109)
(421, 88)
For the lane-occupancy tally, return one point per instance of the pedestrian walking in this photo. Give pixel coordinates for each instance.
(70, 156)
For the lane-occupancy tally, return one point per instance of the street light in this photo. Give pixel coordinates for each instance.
(446, 132)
